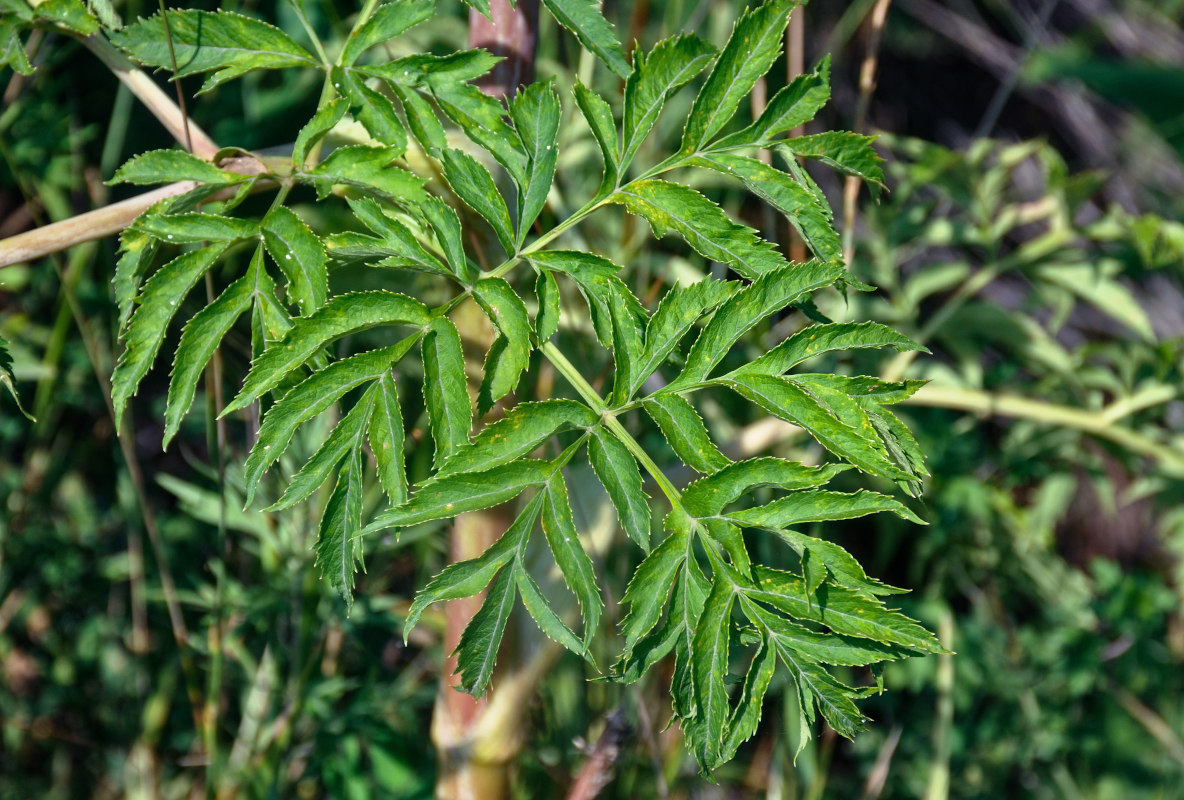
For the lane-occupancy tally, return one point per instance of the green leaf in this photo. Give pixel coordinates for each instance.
(709, 667)
(848, 153)
(542, 613)
(564, 540)
(850, 411)
(339, 548)
(421, 118)
(809, 217)
(368, 169)
(427, 71)
(599, 283)
(599, 116)
(450, 413)
(200, 338)
(768, 294)
(678, 311)
(833, 698)
(12, 49)
(583, 18)
(158, 304)
(372, 108)
(8, 381)
(546, 322)
(618, 473)
(388, 21)
(842, 610)
(477, 651)
(318, 127)
(481, 118)
(397, 240)
(535, 112)
(468, 491)
(138, 248)
(193, 228)
(672, 64)
(509, 355)
(708, 496)
(901, 446)
(467, 578)
(650, 586)
(747, 715)
(788, 401)
(867, 392)
(344, 314)
(751, 50)
(69, 14)
(816, 505)
(701, 224)
(474, 185)
(445, 225)
(105, 11)
(227, 44)
(518, 433)
(825, 647)
(627, 345)
(817, 339)
(796, 104)
(170, 166)
(309, 398)
(345, 438)
(386, 440)
(684, 430)
(300, 255)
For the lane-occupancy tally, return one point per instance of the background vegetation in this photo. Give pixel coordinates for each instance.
(1035, 164)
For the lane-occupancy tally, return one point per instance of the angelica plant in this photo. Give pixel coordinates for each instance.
(696, 594)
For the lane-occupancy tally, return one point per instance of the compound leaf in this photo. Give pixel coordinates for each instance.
(199, 339)
(518, 433)
(583, 18)
(223, 43)
(684, 430)
(170, 166)
(564, 540)
(751, 50)
(618, 473)
(346, 313)
(450, 412)
(300, 255)
(146, 329)
(672, 64)
(446, 497)
(477, 651)
(474, 185)
(743, 310)
(701, 223)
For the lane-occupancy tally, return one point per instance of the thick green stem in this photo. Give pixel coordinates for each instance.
(1098, 423)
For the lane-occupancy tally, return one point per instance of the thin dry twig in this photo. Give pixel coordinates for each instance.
(867, 85)
(163, 107)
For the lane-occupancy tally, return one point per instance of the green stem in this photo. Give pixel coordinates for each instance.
(312, 34)
(573, 376)
(1098, 423)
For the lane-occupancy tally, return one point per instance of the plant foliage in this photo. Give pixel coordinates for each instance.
(697, 593)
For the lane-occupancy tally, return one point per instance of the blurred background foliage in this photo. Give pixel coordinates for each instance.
(1035, 158)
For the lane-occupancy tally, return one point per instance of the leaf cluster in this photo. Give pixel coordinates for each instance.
(697, 594)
